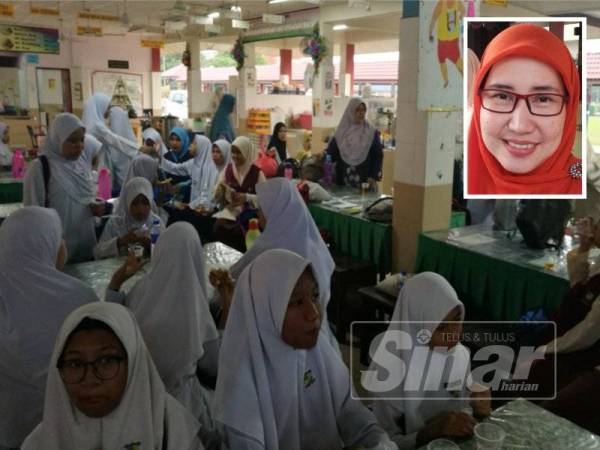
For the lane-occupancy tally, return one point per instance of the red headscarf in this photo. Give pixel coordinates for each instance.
(555, 175)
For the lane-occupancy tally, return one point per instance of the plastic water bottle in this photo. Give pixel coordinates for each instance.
(18, 164)
(104, 190)
(154, 234)
(288, 172)
(252, 234)
(328, 170)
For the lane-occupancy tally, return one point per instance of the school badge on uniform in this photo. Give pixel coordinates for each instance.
(133, 446)
(309, 378)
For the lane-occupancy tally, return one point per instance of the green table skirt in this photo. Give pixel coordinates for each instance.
(11, 192)
(491, 289)
(357, 237)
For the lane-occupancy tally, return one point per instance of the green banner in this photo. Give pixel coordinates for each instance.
(29, 39)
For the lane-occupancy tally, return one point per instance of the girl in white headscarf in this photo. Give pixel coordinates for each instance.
(356, 148)
(95, 113)
(132, 221)
(200, 168)
(5, 153)
(171, 306)
(71, 190)
(131, 408)
(35, 298)
(290, 226)
(425, 300)
(119, 161)
(151, 137)
(236, 186)
(280, 386)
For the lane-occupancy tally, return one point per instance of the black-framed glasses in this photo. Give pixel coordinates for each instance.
(539, 104)
(73, 371)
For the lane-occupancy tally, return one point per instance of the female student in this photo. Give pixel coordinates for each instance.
(278, 142)
(95, 113)
(104, 391)
(119, 161)
(170, 303)
(179, 144)
(287, 224)
(280, 385)
(70, 188)
(35, 298)
(152, 137)
(521, 136)
(132, 221)
(356, 148)
(200, 168)
(5, 152)
(221, 127)
(236, 188)
(426, 304)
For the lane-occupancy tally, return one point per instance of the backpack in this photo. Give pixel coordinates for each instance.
(542, 222)
(46, 173)
(381, 210)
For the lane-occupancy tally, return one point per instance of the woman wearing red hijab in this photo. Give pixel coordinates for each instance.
(522, 131)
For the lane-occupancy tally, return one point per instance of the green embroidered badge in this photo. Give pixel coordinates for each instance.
(133, 446)
(309, 378)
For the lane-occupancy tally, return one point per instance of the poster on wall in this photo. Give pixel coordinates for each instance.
(29, 39)
(125, 89)
(440, 55)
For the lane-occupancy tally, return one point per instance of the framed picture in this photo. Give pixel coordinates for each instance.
(125, 89)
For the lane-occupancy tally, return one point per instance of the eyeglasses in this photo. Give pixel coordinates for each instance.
(539, 104)
(73, 371)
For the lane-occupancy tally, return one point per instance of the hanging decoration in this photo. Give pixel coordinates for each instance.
(186, 57)
(315, 46)
(237, 53)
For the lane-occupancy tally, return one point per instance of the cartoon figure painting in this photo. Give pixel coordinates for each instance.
(448, 15)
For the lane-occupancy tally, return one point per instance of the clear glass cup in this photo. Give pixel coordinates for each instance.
(442, 444)
(489, 436)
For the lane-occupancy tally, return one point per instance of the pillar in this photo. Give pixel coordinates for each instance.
(423, 158)
(194, 80)
(346, 70)
(246, 90)
(285, 64)
(322, 122)
(155, 83)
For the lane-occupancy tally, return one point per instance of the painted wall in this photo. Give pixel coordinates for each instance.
(86, 54)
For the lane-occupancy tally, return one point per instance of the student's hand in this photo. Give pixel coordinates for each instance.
(127, 239)
(97, 209)
(181, 206)
(238, 199)
(448, 424)
(173, 190)
(148, 150)
(145, 241)
(586, 234)
(222, 282)
(130, 267)
(481, 403)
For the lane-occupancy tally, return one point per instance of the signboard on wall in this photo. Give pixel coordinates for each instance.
(107, 82)
(118, 64)
(440, 55)
(6, 9)
(28, 39)
(151, 43)
(328, 74)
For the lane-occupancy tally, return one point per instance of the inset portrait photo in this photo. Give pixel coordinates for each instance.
(524, 107)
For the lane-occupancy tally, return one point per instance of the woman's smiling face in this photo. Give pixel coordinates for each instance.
(521, 141)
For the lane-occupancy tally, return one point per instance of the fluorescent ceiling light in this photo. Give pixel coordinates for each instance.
(201, 20)
(236, 8)
(214, 15)
(273, 2)
(340, 27)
